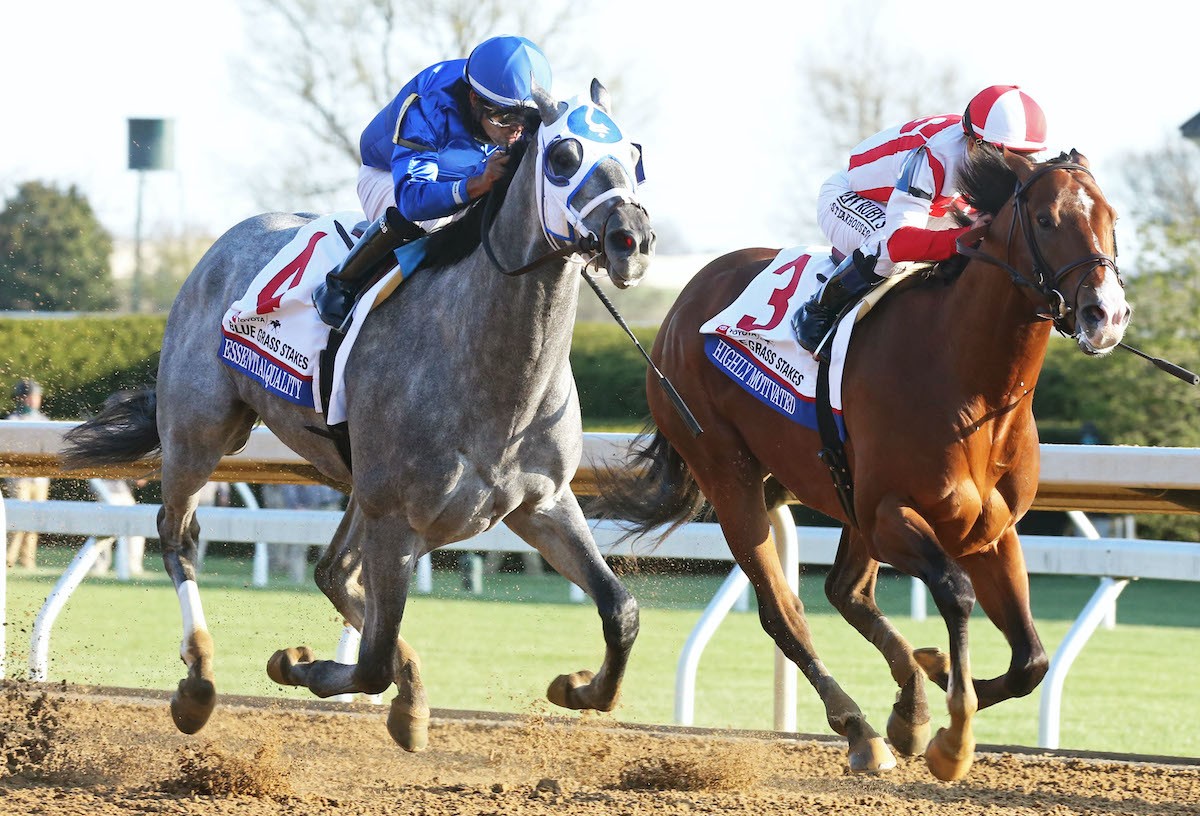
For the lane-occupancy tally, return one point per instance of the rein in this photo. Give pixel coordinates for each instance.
(1059, 310)
(594, 246)
(586, 244)
(1044, 283)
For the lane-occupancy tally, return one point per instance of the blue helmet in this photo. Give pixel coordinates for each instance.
(502, 70)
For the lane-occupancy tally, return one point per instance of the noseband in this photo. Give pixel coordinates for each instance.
(1043, 282)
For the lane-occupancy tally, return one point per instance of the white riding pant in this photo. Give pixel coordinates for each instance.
(377, 192)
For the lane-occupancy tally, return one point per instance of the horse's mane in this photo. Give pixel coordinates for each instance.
(987, 182)
(457, 240)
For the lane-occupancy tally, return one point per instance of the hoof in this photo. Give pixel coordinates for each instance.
(871, 756)
(564, 691)
(946, 764)
(409, 727)
(192, 704)
(936, 665)
(279, 667)
(910, 739)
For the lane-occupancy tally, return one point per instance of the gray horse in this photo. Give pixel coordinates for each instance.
(462, 413)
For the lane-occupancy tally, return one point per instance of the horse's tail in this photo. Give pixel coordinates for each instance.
(124, 431)
(654, 488)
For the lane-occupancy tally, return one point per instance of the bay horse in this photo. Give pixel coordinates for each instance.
(462, 413)
(942, 446)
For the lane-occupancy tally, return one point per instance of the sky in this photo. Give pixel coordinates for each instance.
(728, 128)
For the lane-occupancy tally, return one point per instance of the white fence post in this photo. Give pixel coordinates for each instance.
(1052, 686)
(425, 574)
(120, 555)
(3, 591)
(689, 658)
(347, 652)
(39, 646)
(261, 569)
(918, 599)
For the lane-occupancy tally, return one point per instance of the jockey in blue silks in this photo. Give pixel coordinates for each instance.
(440, 144)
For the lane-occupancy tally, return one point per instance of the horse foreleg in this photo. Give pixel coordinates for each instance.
(408, 717)
(196, 696)
(1002, 589)
(337, 574)
(560, 533)
(850, 587)
(907, 541)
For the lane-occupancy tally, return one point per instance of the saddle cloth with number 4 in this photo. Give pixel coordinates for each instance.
(273, 334)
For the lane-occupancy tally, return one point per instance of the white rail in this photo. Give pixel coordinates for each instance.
(1073, 478)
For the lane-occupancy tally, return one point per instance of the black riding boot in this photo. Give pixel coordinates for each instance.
(854, 277)
(371, 255)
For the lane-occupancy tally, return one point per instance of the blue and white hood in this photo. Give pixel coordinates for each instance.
(563, 202)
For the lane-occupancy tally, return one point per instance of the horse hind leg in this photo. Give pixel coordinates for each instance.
(182, 478)
(560, 533)
(337, 574)
(741, 510)
(850, 587)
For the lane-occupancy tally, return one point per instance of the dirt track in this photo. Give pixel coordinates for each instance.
(75, 752)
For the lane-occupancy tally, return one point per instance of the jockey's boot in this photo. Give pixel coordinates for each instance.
(853, 278)
(372, 255)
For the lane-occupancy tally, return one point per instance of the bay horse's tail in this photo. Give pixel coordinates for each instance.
(124, 431)
(654, 488)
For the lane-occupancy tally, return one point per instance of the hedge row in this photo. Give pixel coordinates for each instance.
(80, 360)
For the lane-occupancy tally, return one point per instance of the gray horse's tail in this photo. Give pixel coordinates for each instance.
(124, 431)
(654, 488)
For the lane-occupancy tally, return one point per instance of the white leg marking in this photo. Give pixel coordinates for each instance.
(193, 615)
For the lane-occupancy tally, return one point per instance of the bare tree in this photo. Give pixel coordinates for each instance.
(322, 70)
(1163, 190)
(859, 84)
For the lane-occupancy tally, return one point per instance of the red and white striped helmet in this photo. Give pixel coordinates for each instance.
(1006, 116)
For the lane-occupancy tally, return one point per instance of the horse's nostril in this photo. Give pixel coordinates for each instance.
(1092, 315)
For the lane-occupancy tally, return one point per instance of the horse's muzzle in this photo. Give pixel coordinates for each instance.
(628, 246)
(1101, 317)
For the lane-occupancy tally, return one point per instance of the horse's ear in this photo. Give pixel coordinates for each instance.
(601, 96)
(549, 109)
(1019, 164)
(1079, 158)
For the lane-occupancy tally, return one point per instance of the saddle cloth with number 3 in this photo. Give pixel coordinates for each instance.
(752, 341)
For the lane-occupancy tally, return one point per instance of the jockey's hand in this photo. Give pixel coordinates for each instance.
(495, 169)
(978, 230)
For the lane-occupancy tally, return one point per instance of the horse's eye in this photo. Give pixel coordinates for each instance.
(1044, 221)
(563, 161)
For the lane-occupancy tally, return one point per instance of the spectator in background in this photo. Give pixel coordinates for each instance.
(292, 559)
(22, 545)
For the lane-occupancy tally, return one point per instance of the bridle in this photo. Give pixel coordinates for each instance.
(585, 129)
(590, 245)
(1043, 282)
